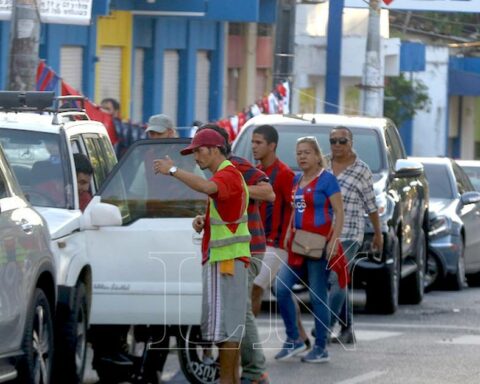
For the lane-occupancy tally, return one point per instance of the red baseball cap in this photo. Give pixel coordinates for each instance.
(204, 138)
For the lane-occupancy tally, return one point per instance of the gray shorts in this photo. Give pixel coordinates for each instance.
(224, 303)
(272, 261)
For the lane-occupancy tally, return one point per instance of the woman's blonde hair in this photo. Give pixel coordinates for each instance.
(312, 140)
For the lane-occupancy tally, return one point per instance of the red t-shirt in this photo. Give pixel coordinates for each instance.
(230, 201)
(276, 215)
(84, 198)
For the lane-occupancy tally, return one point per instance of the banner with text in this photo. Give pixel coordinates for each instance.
(56, 11)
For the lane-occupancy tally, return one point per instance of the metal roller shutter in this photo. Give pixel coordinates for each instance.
(170, 84)
(202, 86)
(71, 65)
(110, 72)
(137, 116)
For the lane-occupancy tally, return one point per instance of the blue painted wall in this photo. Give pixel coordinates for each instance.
(54, 36)
(186, 35)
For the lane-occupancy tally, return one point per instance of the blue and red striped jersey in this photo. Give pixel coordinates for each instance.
(313, 210)
(252, 176)
(276, 215)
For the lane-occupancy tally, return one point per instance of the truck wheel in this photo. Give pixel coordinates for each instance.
(198, 361)
(71, 342)
(382, 290)
(413, 286)
(35, 367)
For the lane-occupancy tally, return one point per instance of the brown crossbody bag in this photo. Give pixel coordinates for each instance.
(306, 243)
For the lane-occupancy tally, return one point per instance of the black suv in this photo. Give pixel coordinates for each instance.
(402, 198)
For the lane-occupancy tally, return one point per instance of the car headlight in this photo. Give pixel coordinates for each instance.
(438, 225)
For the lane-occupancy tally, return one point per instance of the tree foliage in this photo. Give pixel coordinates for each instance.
(403, 98)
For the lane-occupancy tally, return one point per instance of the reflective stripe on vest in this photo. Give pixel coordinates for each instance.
(224, 244)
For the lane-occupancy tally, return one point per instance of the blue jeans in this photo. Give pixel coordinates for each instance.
(339, 305)
(316, 273)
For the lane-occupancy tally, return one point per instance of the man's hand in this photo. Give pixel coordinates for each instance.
(198, 223)
(163, 165)
(377, 242)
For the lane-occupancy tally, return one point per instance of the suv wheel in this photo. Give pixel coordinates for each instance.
(35, 367)
(382, 290)
(72, 341)
(413, 286)
(198, 361)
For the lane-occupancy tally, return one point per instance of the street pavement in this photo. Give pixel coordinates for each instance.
(435, 342)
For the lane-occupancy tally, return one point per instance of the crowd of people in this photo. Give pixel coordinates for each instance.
(265, 227)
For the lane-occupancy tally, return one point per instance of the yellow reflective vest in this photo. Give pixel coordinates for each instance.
(225, 244)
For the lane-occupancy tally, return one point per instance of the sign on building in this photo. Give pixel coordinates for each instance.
(56, 11)
(472, 6)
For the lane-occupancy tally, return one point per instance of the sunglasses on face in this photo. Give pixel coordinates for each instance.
(340, 140)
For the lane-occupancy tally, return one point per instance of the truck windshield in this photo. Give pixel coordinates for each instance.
(366, 143)
(41, 170)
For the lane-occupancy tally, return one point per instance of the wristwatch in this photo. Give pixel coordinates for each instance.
(173, 170)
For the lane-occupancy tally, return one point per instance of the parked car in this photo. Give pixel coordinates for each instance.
(39, 140)
(454, 244)
(402, 199)
(27, 287)
(472, 169)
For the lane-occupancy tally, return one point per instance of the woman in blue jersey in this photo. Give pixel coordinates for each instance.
(318, 208)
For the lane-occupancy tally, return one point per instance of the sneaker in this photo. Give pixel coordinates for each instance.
(291, 348)
(316, 355)
(261, 380)
(346, 336)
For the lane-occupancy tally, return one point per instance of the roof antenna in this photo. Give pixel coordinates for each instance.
(314, 121)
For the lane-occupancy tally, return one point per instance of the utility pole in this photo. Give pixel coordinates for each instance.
(372, 85)
(24, 44)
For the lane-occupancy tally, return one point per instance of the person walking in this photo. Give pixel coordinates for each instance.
(274, 215)
(253, 360)
(225, 246)
(356, 183)
(317, 213)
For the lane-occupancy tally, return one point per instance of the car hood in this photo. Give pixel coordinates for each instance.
(441, 206)
(61, 222)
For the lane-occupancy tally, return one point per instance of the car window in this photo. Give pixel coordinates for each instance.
(366, 143)
(43, 174)
(3, 185)
(98, 161)
(394, 143)
(108, 153)
(439, 181)
(138, 192)
(473, 174)
(462, 179)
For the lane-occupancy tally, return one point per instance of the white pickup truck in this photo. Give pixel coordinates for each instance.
(132, 257)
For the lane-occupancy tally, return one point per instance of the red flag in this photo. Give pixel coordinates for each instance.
(94, 112)
(388, 1)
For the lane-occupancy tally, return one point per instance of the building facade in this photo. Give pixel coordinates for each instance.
(160, 56)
